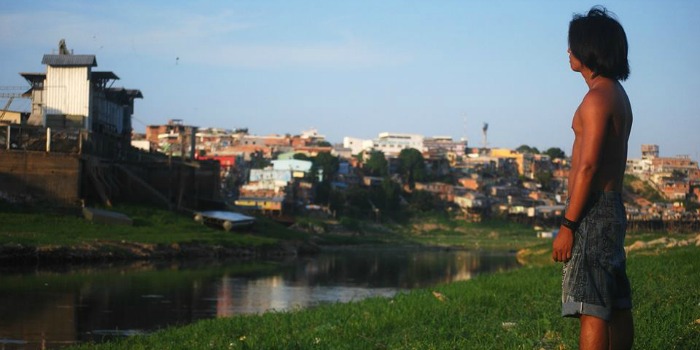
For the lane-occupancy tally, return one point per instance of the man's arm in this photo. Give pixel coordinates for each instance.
(590, 126)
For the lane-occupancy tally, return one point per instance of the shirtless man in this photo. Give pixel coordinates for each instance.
(590, 241)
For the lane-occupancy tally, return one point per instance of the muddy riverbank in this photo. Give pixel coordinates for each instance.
(107, 251)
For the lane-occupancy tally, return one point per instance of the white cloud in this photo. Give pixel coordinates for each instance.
(214, 39)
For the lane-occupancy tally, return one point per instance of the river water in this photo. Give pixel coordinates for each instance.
(48, 308)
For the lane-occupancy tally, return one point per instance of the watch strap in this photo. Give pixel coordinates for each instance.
(572, 225)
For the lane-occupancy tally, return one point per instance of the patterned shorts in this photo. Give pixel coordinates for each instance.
(594, 280)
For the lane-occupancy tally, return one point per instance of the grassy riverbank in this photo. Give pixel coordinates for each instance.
(150, 225)
(511, 310)
(35, 234)
(516, 309)
(32, 234)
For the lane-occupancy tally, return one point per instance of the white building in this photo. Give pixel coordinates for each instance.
(312, 135)
(71, 95)
(357, 145)
(638, 166)
(269, 174)
(390, 144)
(298, 168)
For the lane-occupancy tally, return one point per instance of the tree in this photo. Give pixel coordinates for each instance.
(412, 166)
(527, 149)
(388, 196)
(336, 202)
(258, 160)
(376, 165)
(301, 156)
(392, 191)
(358, 200)
(327, 164)
(544, 177)
(422, 201)
(555, 152)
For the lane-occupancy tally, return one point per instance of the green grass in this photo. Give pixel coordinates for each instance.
(667, 299)
(150, 226)
(510, 310)
(487, 235)
(37, 228)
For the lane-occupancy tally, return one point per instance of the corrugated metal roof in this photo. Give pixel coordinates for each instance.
(27, 93)
(70, 60)
(33, 76)
(133, 93)
(104, 75)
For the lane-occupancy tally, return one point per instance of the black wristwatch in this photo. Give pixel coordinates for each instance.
(572, 225)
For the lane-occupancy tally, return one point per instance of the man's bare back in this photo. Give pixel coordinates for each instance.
(605, 118)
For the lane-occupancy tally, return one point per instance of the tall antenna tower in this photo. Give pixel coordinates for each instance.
(485, 130)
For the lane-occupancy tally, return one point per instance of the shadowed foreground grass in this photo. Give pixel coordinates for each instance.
(511, 310)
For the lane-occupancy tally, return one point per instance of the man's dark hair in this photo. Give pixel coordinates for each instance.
(599, 42)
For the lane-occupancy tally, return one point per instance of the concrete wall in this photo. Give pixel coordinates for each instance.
(64, 179)
(40, 176)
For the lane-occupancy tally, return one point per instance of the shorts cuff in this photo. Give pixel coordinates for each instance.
(576, 309)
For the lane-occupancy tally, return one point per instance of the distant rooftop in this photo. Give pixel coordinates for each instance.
(70, 60)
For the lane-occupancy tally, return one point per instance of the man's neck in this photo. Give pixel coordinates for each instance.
(591, 78)
(588, 76)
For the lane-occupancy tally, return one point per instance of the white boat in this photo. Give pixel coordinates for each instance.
(228, 220)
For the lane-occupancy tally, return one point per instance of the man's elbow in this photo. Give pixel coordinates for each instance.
(588, 170)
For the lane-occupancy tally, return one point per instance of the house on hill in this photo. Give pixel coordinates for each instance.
(277, 189)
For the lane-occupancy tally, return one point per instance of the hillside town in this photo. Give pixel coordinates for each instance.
(76, 110)
(282, 174)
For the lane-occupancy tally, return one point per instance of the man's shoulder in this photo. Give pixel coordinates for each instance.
(600, 99)
(596, 101)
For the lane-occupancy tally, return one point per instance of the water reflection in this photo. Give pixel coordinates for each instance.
(49, 309)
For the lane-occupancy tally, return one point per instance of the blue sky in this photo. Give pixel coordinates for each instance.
(358, 68)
